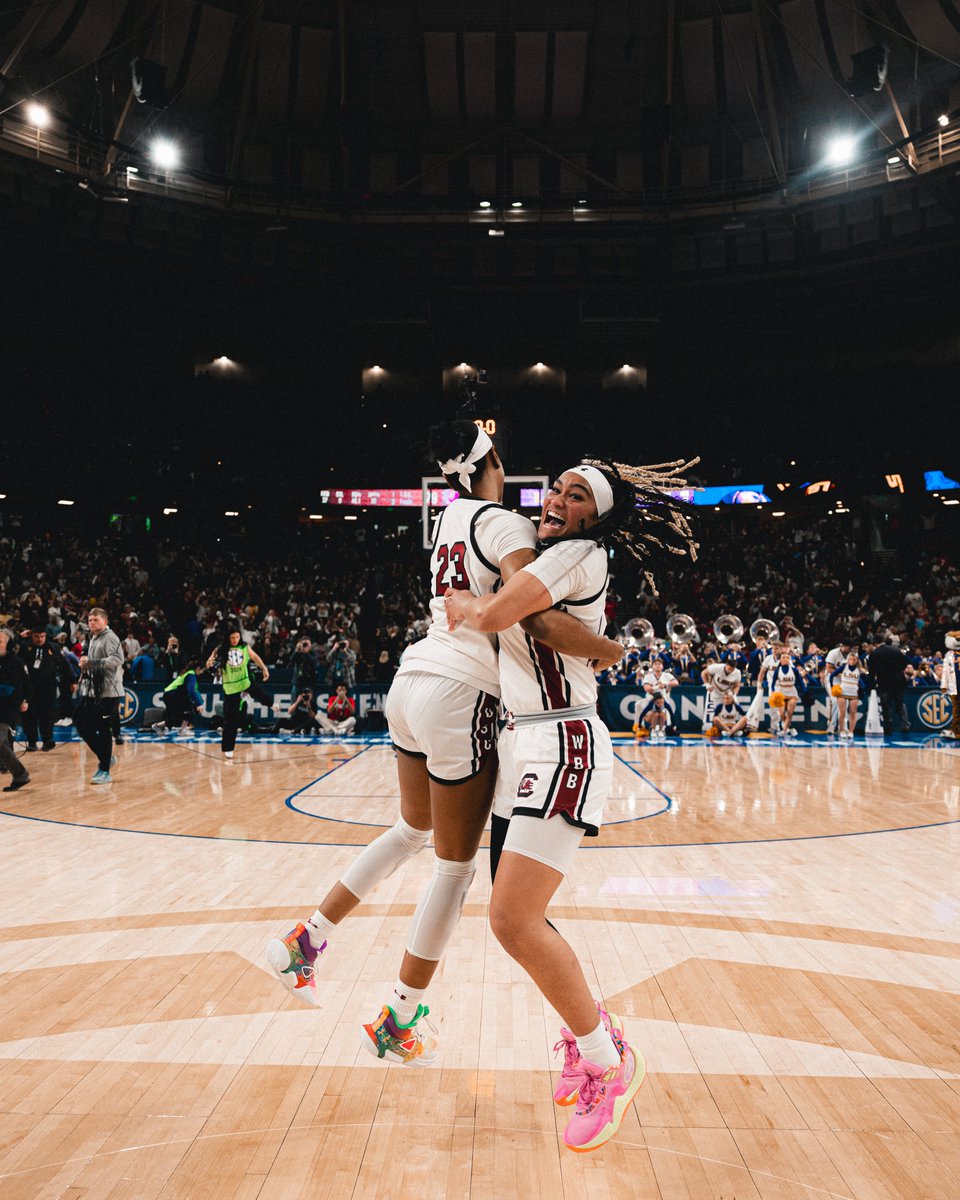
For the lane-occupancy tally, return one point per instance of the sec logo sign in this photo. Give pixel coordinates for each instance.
(935, 710)
(129, 706)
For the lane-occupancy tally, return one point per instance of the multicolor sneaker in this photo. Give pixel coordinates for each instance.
(565, 1093)
(293, 960)
(605, 1095)
(386, 1037)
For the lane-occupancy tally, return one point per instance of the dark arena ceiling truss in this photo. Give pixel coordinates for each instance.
(714, 122)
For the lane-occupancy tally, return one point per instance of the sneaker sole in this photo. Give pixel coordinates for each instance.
(278, 959)
(369, 1042)
(571, 1097)
(620, 1106)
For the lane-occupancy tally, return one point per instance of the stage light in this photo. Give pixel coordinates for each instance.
(165, 154)
(484, 203)
(943, 120)
(168, 511)
(38, 115)
(66, 503)
(841, 150)
(516, 204)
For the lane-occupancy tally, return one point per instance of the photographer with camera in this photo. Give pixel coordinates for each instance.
(304, 664)
(341, 664)
(341, 714)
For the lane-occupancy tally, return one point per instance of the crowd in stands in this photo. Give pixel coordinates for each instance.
(346, 616)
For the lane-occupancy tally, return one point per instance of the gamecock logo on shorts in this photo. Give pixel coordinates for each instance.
(526, 785)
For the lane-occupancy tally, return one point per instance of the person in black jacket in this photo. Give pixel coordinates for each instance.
(45, 667)
(13, 683)
(887, 665)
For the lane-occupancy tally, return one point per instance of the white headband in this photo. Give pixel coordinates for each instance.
(599, 485)
(464, 465)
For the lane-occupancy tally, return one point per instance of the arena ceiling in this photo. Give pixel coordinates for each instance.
(437, 104)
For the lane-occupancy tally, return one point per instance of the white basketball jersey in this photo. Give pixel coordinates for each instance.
(471, 539)
(533, 677)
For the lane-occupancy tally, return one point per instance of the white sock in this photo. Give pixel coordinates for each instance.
(319, 929)
(406, 1001)
(598, 1047)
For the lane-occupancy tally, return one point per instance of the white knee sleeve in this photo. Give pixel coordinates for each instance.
(439, 909)
(382, 857)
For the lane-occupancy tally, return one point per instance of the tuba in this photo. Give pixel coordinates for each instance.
(764, 627)
(727, 629)
(681, 629)
(637, 633)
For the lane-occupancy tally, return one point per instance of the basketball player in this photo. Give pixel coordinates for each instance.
(556, 765)
(850, 676)
(442, 712)
(786, 679)
(720, 679)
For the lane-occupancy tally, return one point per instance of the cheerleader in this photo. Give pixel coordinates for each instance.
(949, 681)
(730, 718)
(442, 712)
(786, 679)
(849, 677)
(234, 661)
(655, 717)
(556, 761)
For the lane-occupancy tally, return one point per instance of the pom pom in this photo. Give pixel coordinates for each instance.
(777, 700)
(836, 690)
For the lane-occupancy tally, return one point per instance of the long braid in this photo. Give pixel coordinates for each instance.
(646, 514)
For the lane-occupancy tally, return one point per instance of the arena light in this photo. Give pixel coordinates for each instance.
(841, 150)
(223, 361)
(778, 514)
(626, 367)
(316, 516)
(376, 368)
(484, 203)
(168, 511)
(894, 160)
(165, 154)
(495, 233)
(66, 503)
(948, 503)
(231, 513)
(38, 115)
(539, 366)
(516, 204)
(943, 120)
(3, 495)
(350, 517)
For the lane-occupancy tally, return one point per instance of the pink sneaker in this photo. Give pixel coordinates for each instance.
(605, 1095)
(565, 1093)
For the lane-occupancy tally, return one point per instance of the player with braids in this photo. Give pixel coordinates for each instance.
(556, 759)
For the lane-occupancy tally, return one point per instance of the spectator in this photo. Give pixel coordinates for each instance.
(46, 668)
(341, 664)
(13, 684)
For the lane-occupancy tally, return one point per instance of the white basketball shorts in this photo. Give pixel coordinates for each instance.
(556, 769)
(450, 724)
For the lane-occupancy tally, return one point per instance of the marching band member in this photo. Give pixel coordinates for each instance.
(950, 679)
(849, 677)
(786, 679)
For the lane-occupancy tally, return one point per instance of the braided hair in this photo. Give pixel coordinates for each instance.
(646, 514)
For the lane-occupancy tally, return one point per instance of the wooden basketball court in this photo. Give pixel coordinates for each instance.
(780, 926)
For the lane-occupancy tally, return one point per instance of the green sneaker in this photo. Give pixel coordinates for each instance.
(387, 1038)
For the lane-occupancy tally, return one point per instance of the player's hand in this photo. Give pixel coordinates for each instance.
(266, 676)
(613, 654)
(454, 603)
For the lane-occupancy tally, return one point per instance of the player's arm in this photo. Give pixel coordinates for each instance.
(522, 595)
(261, 664)
(553, 628)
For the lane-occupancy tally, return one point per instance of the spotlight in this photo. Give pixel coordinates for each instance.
(894, 160)
(943, 120)
(349, 517)
(516, 204)
(376, 368)
(841, 150)
(494, 233)
(463, 366)
(484, 203)
(538, 366)
(165, 154)
(66, 503)
(39, 116)
(231, 513)
(168, 511)
(223, 361)
(626, 367)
